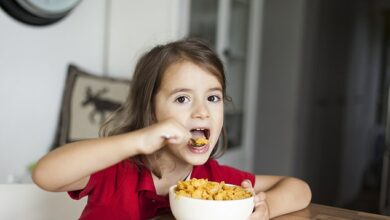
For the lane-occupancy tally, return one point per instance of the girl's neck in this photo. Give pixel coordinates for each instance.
(171, 171)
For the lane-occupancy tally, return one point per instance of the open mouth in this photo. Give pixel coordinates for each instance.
(200, 137)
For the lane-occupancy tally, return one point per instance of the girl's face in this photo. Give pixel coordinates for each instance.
(194, 98)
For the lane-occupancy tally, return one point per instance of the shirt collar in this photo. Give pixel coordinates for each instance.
(146, 180)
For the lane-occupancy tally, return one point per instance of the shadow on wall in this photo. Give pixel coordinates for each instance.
(337, 140)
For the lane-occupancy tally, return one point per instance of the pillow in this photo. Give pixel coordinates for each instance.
(87, 101)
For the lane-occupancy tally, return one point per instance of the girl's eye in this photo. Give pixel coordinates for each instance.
(182, 99)
(214, 98)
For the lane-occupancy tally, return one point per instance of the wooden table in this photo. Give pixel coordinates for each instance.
(320, 212)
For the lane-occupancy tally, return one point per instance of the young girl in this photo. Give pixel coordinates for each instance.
(177, 95)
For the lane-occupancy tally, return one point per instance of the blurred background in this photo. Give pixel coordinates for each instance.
(309, 81)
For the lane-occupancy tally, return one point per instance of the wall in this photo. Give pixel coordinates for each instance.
(326, 103)
(317, 95)
(361, 132)
(33, 62)
(136, 26)
(336, 104)
(278, 87)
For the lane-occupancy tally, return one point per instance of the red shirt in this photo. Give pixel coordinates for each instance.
(124, 192)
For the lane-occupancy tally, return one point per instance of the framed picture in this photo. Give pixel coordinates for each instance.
(87, 102)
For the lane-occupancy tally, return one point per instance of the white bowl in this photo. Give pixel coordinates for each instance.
(185, 208)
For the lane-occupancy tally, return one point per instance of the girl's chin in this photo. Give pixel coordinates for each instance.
(199, 150)
(198, 155)
(197, 161)
(191, 155)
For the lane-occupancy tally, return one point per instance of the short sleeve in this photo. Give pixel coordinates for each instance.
(92, 182)
(102, 184)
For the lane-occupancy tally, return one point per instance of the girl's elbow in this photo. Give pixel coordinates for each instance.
(41, 179)
(307, 195)
(38, 179)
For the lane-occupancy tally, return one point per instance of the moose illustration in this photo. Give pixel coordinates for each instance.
(101, 105)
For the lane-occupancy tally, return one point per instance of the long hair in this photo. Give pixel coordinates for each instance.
(138, 110)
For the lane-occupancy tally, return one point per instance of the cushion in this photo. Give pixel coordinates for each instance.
(88, 100)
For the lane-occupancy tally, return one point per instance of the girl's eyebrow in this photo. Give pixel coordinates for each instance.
(190, 90)
(179, 90)
(215, 89)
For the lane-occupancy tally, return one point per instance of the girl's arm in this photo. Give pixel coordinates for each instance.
(283, 194)
(68, 167)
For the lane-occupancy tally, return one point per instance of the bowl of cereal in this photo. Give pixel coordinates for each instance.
(200, 199)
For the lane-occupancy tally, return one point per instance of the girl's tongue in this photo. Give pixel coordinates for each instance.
(198, 134)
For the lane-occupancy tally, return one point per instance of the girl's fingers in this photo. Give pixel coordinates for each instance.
(175, 140)
(246, 183)
(174, 133)
(261, 212)
(167, 136)
(262, 196)
(260, 204)
(180, 137)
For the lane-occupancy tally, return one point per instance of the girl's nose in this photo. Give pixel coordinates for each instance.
(200, 111)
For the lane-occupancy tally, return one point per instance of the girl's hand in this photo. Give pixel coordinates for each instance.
(261, 209)
(162, 133)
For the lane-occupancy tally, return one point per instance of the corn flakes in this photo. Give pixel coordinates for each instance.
(208, 190)
(199, 142)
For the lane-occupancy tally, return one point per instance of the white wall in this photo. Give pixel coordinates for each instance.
(33, 62)
(136, 26)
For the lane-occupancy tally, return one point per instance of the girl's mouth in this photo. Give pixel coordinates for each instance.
(199, 141)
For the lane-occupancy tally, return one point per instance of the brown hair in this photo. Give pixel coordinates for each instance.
(138, 110)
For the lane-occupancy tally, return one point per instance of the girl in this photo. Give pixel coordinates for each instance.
(178, 93)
